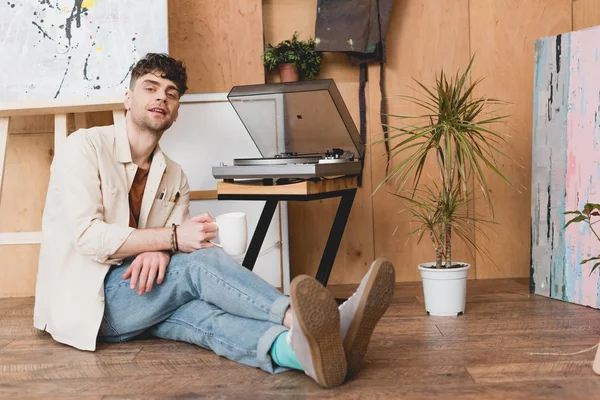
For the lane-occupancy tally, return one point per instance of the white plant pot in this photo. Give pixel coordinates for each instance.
(445, 290)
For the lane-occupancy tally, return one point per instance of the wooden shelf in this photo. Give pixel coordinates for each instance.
(203, 195)
(298, 188)
(58, 106)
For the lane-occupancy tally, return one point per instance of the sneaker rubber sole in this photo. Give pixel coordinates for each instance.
(317, 314)
(378, 294)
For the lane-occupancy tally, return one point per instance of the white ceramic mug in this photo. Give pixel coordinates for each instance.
(232, 233)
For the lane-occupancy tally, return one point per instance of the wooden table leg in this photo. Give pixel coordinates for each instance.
(335, 236)
(259, 234)
(60, 130)
(3, 145)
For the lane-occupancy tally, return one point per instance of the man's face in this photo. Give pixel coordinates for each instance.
(153, 103)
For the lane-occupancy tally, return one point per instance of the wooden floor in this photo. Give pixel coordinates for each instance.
(484, 354)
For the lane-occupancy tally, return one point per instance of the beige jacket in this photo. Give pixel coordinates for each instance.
(86, 220)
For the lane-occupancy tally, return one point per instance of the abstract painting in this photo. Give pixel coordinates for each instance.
(75, 48)
(566, 168)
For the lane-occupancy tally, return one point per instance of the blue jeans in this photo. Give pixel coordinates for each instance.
(206, 299)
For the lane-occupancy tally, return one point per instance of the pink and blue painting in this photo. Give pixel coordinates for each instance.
(566, 168)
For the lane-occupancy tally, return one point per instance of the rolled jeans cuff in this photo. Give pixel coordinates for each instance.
(263, 350)
(278, 309)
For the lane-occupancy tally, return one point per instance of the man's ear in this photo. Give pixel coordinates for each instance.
(127, 101)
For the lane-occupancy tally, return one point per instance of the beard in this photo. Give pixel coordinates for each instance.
(156, 126)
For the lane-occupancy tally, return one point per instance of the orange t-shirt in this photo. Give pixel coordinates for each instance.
(135, 195)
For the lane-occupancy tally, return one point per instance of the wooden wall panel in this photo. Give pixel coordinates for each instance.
(30, 151)
(586, 13)
(21, 206)
(18, 270)
(424, 36)
(26, 179)
(309, 223)
(503, 33)
(219, 40)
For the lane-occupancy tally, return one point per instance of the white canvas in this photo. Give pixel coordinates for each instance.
(75, 48)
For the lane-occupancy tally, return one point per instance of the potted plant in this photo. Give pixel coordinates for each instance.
(589, 210)
(295, 58)
(455, 128)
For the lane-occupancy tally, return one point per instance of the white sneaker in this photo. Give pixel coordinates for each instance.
(315, 334)
(361, 312)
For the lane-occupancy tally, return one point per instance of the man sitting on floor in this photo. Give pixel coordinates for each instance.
(116, 222)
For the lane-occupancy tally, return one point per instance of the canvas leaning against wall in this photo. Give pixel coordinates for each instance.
(75, 48)
(566, 168)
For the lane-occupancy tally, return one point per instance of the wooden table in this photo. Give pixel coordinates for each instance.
(343, 187)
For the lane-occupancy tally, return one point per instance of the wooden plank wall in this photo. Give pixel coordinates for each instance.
(503, 34)
(586, 13)
(423, 36)
(29, 154)
(220, 41)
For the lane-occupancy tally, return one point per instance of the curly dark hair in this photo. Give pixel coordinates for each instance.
(168, 67)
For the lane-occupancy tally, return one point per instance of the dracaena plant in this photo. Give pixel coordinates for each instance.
(456, 128)
(434, 211)
(589, 210)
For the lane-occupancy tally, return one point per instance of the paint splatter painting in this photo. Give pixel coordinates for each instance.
(75, 48)
(566, 168)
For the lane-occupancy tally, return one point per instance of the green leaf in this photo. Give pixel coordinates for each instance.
(589, 207)
(590, 259)
(576, 219)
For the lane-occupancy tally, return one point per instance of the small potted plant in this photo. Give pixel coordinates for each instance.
(456, 129)
(296, 59)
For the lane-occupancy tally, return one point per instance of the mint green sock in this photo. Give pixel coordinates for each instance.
(282, 353)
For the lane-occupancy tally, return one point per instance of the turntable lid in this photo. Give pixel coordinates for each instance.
(299, 117)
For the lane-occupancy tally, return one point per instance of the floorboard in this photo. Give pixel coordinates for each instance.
(508, 345)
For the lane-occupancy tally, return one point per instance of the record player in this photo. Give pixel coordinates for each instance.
(303, 130)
